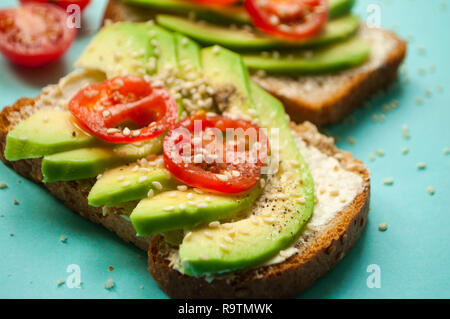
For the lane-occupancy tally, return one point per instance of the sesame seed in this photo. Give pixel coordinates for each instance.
(188, 235)
(23, 138)
(120, 178)
(60, 282)
(244, 231)
(222, 177)
(371, 157)
(106, 113)
(446, 150)
(301, 200)
(334, 192)
(203, 257)
(269, 220)
(227, 226)
(109, 284)
(63, 239)
(202, 205)
(383, 227)
(214, 224)
(172, 195)
(379, 152)
(224, 247)
(216, 49)
(3, 185)
(405, 150)
(150, 193)
(126, 131)
(421, 165)
(182, 206)
(388, 181)
(169, 208)
(198, 191)
(430, 190)
(142, 179)
(208, 234)
(158, 185)
(228, 239)
(235, 173)
(190, 196)
(126, 184)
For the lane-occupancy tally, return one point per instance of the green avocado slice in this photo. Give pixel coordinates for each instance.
(90, 162)
(336, 57)
(225, 14)
(210, 34)
(47, 131)
(275, 222)
(130, 182)
(180, 209)
(188, 53)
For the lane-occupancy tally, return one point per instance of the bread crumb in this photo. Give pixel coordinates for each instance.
(60, 282)
(430, 190)
(15, 202)
(3, 185)
(388, 181)
(421, 165)
(110, 268)
(405, 150)
(383, 227)
(63, 239)
(109, 284)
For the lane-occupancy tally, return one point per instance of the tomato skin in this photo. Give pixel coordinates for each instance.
(102, 107)
(204, 174)
(217, 2)
(301, 18)
(24, 22)
(62, 3)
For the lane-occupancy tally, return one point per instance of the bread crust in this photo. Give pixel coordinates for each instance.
(297, 273)
(334, 106)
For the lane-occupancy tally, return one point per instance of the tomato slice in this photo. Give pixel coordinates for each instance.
(62, 3)
(197, 153)
(217, 2)
(124, 109)
(34, 34)
(288, 19)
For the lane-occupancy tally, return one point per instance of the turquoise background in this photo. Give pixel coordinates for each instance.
(413, 254)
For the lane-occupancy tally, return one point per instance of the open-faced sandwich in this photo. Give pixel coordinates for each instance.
(176, 150)
(317, 57)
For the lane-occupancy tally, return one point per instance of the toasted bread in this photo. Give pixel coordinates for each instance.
(318, 251)
(320, 99)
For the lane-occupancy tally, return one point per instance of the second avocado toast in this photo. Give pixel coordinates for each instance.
(320, 79)
(271, 240)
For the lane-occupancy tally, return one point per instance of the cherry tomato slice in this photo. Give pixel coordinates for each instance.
(288, 19)
(62, 3)
(34, 34)
(197, 153)
(124, 109)
(217, 2)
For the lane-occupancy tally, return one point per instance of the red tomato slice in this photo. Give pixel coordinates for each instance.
(289, 19)
(203, 158)
(217, 2)
(34, 34)
(62, 3)
(124, 109)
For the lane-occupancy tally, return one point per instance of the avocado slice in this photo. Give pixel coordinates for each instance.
(210, 34)
(130, 182)
(342, 55)
(47, 131)
(275, 222)
(177, 209)
(90, 162)
(188, 53)
(225, 14)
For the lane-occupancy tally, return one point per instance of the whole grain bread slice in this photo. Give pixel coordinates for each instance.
(317, 253)
(320, 99)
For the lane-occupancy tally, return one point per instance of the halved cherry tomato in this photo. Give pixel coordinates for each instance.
(289, 19)
(124, 109)
(62, 3)
(34, 34)
(203, 158)
(217, 2)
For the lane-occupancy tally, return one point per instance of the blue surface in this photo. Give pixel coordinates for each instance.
(413, 254)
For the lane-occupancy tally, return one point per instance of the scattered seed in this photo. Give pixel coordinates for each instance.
(109, 284)
(405, 150)
(15, 202)
(182, 188)
(379, 152)
(430, 190)
(383, 227)
(421, 165)
(157, 185)
(63, 239)
(60, 282)
(3, 185)
(388, 181)
(150, 193)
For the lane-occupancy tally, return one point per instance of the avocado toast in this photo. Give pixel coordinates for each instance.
(209, 237)
(322, 94)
